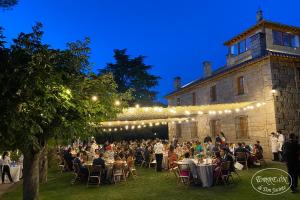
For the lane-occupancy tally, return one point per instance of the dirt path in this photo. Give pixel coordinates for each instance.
(5, 188)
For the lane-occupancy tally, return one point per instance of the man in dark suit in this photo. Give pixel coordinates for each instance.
(99, 161)
(290, 156)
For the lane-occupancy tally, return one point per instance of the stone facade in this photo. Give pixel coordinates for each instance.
(271, 74)
(258, 86)
(285, 78)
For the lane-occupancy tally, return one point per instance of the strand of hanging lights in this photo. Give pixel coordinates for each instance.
(141, 117)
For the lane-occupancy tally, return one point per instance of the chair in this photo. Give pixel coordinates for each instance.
(78, 176)
(132, 169)
(143, 163)
(152, 161)
(184, 173)
(262, 161)
(224, 173)
(94, 177)
(175, 171)
(119, 172)
(241, 157)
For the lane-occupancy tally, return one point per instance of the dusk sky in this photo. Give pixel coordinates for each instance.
(175, 35)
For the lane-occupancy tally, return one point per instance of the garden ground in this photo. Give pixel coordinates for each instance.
(148, 185)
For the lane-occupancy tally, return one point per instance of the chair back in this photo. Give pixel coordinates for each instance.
(225, 166)
(241, 156)
(184, 169)
(76, 168)
(118, 166)
(94, 170)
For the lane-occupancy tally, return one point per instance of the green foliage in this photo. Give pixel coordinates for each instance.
(46, 93)
(8, 3)
(133, 74)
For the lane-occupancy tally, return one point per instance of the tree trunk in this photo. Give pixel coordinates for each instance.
(31, 175)
(43, 165)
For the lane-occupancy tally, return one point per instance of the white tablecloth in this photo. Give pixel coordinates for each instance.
(15, 173)
(205, 174)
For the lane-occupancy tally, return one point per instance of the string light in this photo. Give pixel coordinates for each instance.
(117, 103)
(165, 118)
(94, 98)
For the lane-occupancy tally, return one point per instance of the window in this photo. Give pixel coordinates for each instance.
(241, 126)
(213, 93)
(178, 130)
(240, 85)
(235, 49)
(178, 102)
(194, 129)
(194, 99)
(248, 43)
(241, 47)
(285, 39)
(215, 127)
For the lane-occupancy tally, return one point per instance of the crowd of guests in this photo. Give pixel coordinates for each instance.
(164, 153)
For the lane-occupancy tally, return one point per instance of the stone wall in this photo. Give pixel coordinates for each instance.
(258, 86)
(285, 78)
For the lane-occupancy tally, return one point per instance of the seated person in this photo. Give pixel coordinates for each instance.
(172, 157)
(82, 169)
(68, 158)
(99, 161)
(191, 164)
(257, 151)
(217, 161)
(227, 157)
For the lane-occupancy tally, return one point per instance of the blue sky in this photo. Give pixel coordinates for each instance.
(175, 35)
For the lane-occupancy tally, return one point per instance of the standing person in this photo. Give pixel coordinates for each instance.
(281, 141)
(290, 155)
(158, 150)
(6, 168)
(274, 146)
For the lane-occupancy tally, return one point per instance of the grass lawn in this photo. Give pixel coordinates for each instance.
(148, 185)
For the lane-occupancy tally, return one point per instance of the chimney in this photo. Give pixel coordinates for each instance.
(259, 15)
(177, 83)
(207, 68)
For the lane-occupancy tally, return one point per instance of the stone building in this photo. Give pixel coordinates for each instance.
(263, 64)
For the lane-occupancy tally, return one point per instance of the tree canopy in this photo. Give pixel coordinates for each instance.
(8, 3)
(47, 93)
(133, 74)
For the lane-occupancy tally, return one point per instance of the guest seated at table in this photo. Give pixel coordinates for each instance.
(69, 158)
(172, 157)
(199, 148)
(79, 161)
(99, 161)
(257, 151)
(240, 148)
(217, 161)
(227, 157)
(191, 164)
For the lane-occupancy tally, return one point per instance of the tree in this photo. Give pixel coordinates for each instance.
(133, 74)
(46, 93)
(6, 4)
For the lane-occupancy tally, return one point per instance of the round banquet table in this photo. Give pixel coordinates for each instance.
(205, 174)
(15, 172)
